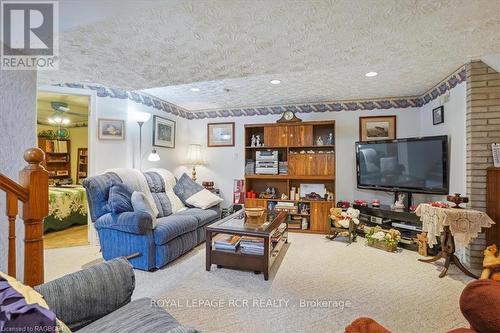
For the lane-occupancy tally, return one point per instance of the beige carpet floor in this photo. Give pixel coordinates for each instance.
(356, 280)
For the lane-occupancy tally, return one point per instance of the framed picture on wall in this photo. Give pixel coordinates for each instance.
(111, 129)
(220, 135)
(438, 115)
(163, 132)
(377, 128)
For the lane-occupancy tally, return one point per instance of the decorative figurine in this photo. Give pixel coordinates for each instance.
(319, 141)
(304, 224)
(329, 195)
(329, 139)
(284, 196)
(257, 141)
(400, 203)
(457, 200)
(422, 243)
(254, 141)
(491, 264)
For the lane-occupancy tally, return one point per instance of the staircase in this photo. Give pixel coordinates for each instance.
(33, 193)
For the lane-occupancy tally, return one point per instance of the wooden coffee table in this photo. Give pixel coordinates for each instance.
(238, 224)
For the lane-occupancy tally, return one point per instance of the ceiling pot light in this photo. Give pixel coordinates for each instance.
(195, 89)
(275, 81)
(371, 74)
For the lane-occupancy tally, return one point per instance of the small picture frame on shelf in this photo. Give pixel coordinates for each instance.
(438, 115)
(163, 132)
(375, 128)
(111, 129)
(220, 135)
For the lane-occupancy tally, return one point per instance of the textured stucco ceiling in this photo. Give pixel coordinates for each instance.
(319, 49)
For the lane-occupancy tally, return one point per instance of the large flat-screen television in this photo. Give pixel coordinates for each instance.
(418, 165)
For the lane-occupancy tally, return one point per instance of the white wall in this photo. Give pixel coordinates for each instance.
(454, 127)
(108, 154)
(227, 163)
(18, 129)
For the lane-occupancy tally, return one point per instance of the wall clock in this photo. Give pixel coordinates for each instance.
(289, 117)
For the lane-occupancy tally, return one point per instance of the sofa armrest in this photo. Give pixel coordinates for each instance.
(131, 222)
(80, 298)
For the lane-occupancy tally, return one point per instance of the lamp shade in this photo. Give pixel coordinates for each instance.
(153, 157)
(194, 155)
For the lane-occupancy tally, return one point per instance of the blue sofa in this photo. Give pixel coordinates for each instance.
(132, 232)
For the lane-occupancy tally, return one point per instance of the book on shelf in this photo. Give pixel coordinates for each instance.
(226, 242)
(252, 245)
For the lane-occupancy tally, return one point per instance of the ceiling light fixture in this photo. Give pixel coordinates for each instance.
(195, 89)
(275, 81)
(371, 74)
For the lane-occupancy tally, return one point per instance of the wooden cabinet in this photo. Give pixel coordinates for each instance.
(493, 206)
(311, 164)
(276, 136)
(300, 135)
(317, 166)
(320, 212)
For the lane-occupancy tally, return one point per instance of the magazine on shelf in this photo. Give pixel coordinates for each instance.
(225, 242)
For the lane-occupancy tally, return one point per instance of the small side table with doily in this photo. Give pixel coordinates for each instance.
(454, 226)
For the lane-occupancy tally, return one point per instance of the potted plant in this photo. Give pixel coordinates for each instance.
(383, 239)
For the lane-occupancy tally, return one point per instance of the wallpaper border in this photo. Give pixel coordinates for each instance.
(441, 88)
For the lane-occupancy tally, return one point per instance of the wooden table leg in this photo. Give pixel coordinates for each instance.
(208, 244)
(267, 253)
(448, 253)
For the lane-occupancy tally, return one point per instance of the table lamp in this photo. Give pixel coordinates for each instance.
(194, 158)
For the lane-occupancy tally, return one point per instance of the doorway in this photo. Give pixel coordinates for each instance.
(63, 134)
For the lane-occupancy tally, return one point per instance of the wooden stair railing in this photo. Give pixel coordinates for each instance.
(33, 193)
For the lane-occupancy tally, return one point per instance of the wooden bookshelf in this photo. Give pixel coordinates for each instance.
(57, 159)
(82, 165)
(308, 163)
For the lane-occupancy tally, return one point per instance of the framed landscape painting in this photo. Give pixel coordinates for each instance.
(111, 129)
(377, 128)
(220, 135)
(163, 132)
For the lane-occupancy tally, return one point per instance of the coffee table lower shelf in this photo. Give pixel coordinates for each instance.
(238, 260)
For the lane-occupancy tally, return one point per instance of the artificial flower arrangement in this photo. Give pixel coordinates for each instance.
(342, 219)
(383, 239)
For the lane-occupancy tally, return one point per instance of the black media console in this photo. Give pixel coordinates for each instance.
(406, 222)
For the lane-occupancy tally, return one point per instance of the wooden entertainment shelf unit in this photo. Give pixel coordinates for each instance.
(308, 163)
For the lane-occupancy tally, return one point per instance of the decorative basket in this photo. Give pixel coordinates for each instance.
(381, 245)
(254, 212)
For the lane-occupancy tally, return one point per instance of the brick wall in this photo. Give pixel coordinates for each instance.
(483, 129)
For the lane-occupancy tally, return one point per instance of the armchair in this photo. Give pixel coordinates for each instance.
(98, 299)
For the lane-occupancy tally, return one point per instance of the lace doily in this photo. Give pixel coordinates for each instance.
(465, 224)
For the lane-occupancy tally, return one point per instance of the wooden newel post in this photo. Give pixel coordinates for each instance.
(35, 179)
